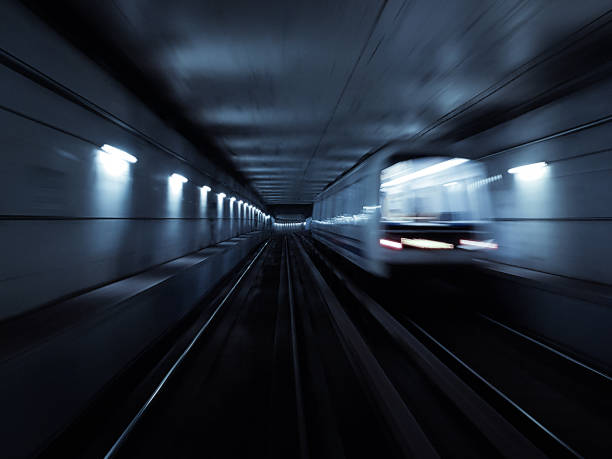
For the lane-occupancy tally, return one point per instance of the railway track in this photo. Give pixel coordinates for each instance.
(456, 419)
(561, 403)
(300, 361)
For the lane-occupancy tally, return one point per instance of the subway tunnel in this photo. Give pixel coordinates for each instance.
(343, 228)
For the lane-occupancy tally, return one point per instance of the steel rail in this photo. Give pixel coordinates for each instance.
(119, 442)
(406, 430)
(459, 392)
(301, 417)
(548, 348)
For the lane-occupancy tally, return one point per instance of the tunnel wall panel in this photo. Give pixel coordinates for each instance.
(45, 253)
(48, 383)
(560, 223)
(69, 221)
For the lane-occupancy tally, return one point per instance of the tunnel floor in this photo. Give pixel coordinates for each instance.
(307, 356)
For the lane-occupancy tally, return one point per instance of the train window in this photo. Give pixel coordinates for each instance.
(341, 202)
(350, 200)
(357, 197)
(333, 205)
(428, 189)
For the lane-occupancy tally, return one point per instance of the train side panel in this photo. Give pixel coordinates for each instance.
(345, 217)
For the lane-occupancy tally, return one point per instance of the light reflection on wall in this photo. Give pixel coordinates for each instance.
(175, 194)
(204, 200)
(532, 188)
(220, 197)
(231, 216)
(240, 217)
(113, 182)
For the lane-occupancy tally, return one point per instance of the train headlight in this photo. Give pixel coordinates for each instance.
(426, 244)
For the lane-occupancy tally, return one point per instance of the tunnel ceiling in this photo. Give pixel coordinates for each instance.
(295, 93)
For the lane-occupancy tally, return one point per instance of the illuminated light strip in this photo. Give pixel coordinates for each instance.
(415, 217)
(426, 244)
(390, 244)
(118, 153)
(206, 188)
(178, 178)
(439, 167)
(480, 244)
(221, 195)
(529, 171)
(527, 168)
(485, 181)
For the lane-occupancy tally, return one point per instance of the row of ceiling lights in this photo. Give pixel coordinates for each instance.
(175, 178)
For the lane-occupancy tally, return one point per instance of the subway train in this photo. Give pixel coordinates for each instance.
(406, 205)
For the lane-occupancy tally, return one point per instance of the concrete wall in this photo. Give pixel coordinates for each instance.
(53, 363)
(562, 222)
(67, 221)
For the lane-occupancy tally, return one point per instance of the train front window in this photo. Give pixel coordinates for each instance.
(426, 190)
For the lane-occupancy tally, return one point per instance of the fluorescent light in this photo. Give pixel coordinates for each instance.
(118, 153)
(426, 244)
(206, 188)
(232, 199)
(527, 167)
(478, 244)
(112, 165)
(240, 202)
(529, 171)
(390, 244)
(178, 178)
(451, 184)
(221, 195)
(439, 167)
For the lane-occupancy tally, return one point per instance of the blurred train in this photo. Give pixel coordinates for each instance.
(405, 206)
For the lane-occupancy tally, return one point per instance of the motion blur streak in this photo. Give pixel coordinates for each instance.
(425, 172)
(529, 171)
(479, 244)
(119, 153)
(112, 164)
(178, 178)
(148, 148)
(426, 244)
(390, 244)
